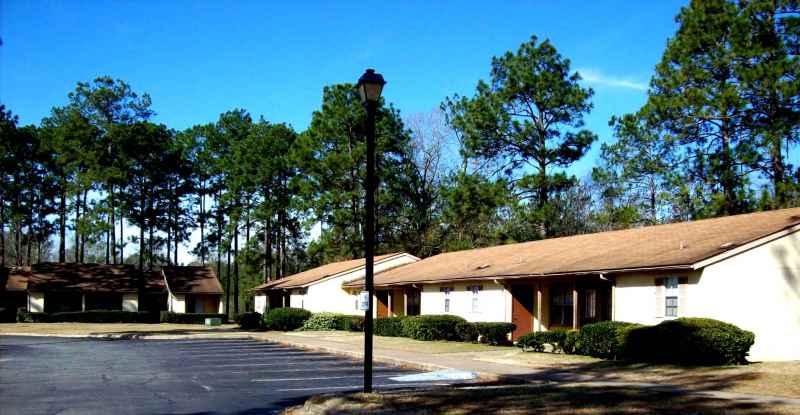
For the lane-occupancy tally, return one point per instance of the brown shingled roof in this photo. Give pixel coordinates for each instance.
(192, 280)
(676, 245)
(313, 275)
(16, 281)
(51, 276)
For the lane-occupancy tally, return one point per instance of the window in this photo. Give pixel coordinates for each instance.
(476, 290)
(446, 291)
(413, 298)
(561, 305)
(671, 297)
(590, 311)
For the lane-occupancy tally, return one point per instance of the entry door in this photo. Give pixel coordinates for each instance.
(382, 303)
(522, 309)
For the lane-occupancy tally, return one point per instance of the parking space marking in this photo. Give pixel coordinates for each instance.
(278, 354)
(385, 385)
(321, 378)
(236, 349)
(297, 370)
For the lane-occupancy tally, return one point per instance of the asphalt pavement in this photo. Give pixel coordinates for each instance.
(50, 375)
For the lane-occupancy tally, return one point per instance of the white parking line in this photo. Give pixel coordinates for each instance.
(278, 354)
(321, 378)
(228, 349)
(361, 386)
(315, 369)
(245, 358)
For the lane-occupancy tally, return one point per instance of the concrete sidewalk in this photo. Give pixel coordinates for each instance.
(486, 365)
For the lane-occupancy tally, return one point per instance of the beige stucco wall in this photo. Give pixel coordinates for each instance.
(328, 294)
(494, 301)
(177, 303)
(757, 290)
(130, 302)
(36, 302)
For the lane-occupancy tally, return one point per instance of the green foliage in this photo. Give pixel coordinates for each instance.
(350, 323)
(250, 321)
(606, 339)
(323, 321)
(467, 331)
(286, 318)
(24, 316)
(432, 327)
(690, 341)
(389, 326)
(528, 119)
(190, 318)
(494, 333)
(559, 340)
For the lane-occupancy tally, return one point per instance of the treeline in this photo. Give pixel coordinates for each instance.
(716, 137)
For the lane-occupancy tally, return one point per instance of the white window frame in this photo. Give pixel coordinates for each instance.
(476, 292)
(446, 291)
(671, 292)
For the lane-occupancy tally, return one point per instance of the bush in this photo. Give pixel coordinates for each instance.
(494, 333)
(25, 316)
(531, 341)
(389, 326)
(560, 340)
(350, 323)
(103, 316)
(467, 331)
(570, 342)
(249, 321)
(432, 327)
(189, 318)
(606, 339)
(286, 318)
(323, 321)
(690, 341)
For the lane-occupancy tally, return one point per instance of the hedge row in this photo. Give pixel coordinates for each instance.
(443, 327)
(687, 341)
(190, 318)
(334, 321)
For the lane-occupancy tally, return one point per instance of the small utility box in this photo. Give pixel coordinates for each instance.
(213, 321)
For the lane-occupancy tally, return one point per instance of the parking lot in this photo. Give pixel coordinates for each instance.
(48, 375)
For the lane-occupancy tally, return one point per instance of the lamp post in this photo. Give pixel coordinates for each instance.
(370, 85)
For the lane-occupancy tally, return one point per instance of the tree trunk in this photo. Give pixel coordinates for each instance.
(77, 233)
(83, 237)
(267, 250)
(727, 174)
(236, 267)
(151, 224)
(62, 222)
(141, 231)
(2, 232)
(202, 220)
(778, 172)
(228, 283)
(121, 238)
(113, 229)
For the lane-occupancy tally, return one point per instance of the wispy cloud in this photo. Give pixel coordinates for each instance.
(598, 79)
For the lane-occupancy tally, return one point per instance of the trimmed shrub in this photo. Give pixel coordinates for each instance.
(690, 341)
(286, 318)
(323, 321)
(25, 316)
(570, 341)
(556, 338)
(102, 316)
(531, 341)
(249, 321)
(432, 327)
(350, 323)
(190, 318)
(389, 326)
(467, 331)
(494, 333)
(606, 339)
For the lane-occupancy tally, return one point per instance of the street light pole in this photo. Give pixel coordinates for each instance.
(370, 86)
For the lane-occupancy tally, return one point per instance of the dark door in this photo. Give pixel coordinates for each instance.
(522, 309)
(382, 303)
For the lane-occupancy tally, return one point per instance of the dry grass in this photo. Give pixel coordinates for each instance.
(530, 399)
(767, 378)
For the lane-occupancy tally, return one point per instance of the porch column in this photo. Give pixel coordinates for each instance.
(538, 306)
(83, 302)
(405, 302)
(574, 305)
(390, 310)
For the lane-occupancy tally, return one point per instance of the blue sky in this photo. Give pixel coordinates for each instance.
(200, 58)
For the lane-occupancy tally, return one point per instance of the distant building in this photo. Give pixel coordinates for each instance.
(321, 288)
(59, 287)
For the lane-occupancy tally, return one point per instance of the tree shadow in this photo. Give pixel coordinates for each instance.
(139, 334)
